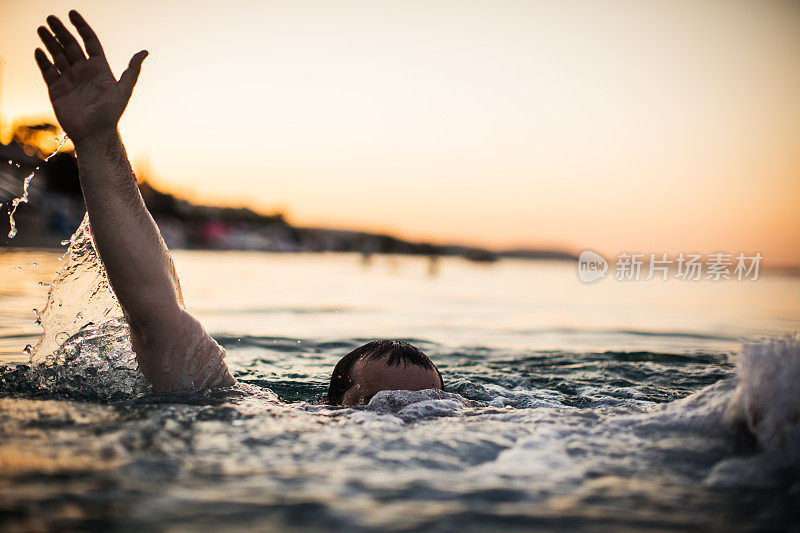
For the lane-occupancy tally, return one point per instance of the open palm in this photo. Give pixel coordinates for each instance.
(86, 97)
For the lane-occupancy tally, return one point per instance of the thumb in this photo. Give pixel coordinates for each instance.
(131, 74)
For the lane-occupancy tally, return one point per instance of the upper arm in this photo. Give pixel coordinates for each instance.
(177, 353)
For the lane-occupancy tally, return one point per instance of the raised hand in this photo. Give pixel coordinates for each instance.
(87, 99)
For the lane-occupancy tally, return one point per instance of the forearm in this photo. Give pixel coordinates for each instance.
(134, 254)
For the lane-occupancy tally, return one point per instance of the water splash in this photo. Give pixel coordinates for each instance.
(767, 400)
(79, 296)
(95, 363)
(24, 197)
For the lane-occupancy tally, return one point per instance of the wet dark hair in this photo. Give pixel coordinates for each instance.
(399, 352)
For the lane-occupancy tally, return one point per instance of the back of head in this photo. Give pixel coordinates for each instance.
(381, 365)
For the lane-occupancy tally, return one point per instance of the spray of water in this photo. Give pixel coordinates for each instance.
(24, 197)
(85, 344)
(79, 297)
(85, 348)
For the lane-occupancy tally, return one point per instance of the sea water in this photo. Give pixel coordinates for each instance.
(613, 406)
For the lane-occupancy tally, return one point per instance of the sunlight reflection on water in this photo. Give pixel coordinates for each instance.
(519, 304)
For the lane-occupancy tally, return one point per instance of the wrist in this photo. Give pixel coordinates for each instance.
(98, 139)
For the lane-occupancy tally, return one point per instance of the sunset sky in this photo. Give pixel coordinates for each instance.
(658, 126)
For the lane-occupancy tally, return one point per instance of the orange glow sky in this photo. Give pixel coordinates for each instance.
(658, 126)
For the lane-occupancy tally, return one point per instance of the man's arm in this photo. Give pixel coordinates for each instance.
(173, 350)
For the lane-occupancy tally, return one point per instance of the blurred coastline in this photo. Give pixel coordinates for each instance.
(56, 208)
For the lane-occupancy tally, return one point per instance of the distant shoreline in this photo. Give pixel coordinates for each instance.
(496, 255)
(56, 209)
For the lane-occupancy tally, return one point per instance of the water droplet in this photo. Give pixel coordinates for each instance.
(44, 284)
(28, 349)
(71, 351)
(64, 242)
(23, 199)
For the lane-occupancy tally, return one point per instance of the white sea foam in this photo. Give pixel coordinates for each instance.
(710, 431)
(767, 399)
(417, 405)
(766, 405)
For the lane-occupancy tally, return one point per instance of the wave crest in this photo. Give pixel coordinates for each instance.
(767, 399)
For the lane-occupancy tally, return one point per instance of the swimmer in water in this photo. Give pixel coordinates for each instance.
(173, 350)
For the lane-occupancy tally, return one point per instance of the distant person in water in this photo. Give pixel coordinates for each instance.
(172, 348)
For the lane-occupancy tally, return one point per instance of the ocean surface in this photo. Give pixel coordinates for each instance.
(626, 406)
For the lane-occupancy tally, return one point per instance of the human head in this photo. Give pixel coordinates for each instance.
(381, 365)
